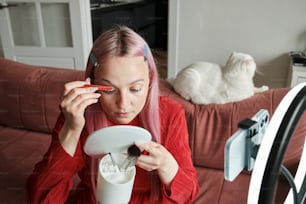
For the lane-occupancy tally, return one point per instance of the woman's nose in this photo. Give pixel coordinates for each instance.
(122, 99)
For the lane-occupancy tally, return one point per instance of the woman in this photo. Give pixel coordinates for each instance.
(122, 60)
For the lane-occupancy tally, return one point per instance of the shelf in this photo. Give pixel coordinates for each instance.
(298, 75)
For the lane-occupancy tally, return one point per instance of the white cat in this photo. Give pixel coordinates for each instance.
(206, 83)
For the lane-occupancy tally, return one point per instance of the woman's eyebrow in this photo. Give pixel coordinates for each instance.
(136, 81)
(105, 80)
(102, 79)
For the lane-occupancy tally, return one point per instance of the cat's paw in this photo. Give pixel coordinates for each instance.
(261, 89)
(171, 81)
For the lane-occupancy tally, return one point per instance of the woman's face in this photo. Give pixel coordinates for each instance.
(129, 76)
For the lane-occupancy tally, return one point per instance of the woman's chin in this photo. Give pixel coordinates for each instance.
(122, 120)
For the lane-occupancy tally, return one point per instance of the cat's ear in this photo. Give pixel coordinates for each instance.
(231, 60)
(233, 54)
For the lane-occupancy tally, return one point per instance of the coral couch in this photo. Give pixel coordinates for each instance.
(29, 98)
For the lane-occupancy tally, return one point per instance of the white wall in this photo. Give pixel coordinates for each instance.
(1, 50)
(209, 30)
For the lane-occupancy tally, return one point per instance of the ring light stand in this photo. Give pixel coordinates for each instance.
(270, 151)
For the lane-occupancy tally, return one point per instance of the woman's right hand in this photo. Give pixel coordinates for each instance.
(74, 101)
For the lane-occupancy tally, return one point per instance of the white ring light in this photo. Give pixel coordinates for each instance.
(299, 176)
(266, 146)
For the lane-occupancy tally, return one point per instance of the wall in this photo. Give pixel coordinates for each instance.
(1, 50)
(209, 30)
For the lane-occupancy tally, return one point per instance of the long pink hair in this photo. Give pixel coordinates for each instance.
(124, 42)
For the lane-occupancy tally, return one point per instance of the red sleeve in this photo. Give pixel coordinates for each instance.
(184, 186)
(51, 180)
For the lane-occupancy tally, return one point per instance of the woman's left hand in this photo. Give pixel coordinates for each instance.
(158, 158)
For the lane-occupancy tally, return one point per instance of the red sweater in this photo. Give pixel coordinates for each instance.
(52, 178)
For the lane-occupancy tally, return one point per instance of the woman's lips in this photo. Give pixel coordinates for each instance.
(122, 115)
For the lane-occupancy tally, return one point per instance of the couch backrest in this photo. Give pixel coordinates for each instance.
(30, 95)
(211, 125)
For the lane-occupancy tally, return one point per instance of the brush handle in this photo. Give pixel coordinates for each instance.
(100, 87)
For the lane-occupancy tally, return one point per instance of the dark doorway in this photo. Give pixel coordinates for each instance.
(147, 17)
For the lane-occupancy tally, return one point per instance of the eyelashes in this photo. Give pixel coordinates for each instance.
(114, 90)
(134, 88)
(109, 91)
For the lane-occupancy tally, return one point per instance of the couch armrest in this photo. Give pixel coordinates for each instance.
(30, 95)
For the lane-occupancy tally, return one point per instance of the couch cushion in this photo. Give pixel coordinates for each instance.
(213, 124)
(30, 95)
(20, 150)
(214, 189)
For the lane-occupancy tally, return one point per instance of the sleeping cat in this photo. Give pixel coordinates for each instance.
(206, 83)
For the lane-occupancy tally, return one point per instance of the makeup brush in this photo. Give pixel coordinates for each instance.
(133, 153)
(100, 87)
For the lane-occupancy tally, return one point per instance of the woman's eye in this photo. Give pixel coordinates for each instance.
(136, 89)
(109, 91)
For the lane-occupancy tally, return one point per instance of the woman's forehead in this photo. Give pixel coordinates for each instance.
(126, 69)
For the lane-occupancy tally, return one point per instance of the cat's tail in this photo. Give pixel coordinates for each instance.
(260, 89)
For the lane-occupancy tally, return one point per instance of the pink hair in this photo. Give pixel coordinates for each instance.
(124, 42)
